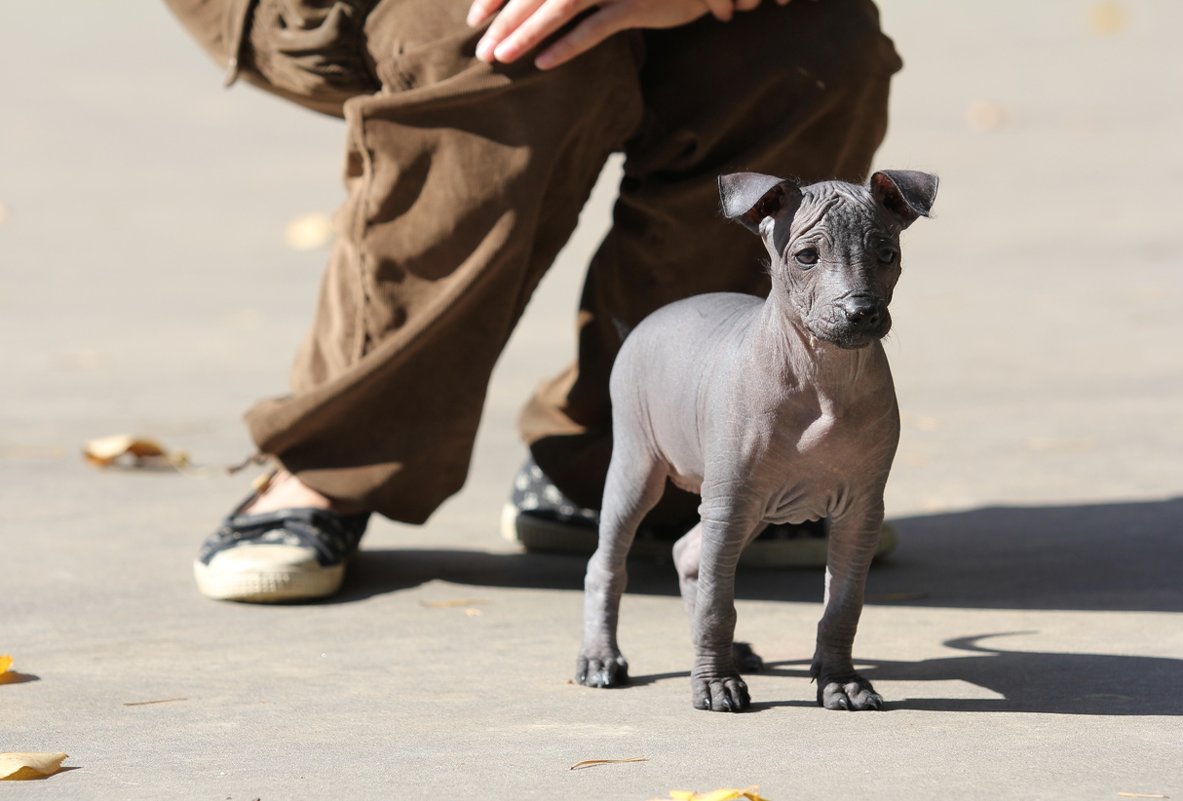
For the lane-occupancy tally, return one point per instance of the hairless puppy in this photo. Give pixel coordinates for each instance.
(774, 411)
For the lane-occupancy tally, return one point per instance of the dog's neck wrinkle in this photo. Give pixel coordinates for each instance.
(801, 362)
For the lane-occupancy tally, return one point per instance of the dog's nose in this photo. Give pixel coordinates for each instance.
(862, 313)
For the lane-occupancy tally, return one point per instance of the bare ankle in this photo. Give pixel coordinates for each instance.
(286, 491)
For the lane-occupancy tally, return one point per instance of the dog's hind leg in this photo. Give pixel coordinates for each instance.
(634, 485)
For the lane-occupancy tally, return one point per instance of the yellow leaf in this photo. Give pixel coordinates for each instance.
(309, 231)
(18, 767)
(1107, 19)
(452, 603)
(723, 794)
(5, 663)
(105, 451)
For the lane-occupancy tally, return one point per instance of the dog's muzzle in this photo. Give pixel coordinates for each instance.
(859, 321)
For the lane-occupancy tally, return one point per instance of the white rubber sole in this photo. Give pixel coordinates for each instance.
(548, 536)
(267, 574)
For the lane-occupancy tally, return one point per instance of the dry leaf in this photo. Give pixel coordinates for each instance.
(1107, 19)
(308, 231)
(982, 115)
(143, 452)
(18, 767)
(452, 603)
(5, 663)
(724, 794)
(593, 763)
(157, 701)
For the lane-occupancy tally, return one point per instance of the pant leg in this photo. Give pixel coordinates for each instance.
(311, 52)
(463, 181)
(797, 91)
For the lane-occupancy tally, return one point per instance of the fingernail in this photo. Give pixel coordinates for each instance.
(484, 50)
(506, 51)
(474, 17)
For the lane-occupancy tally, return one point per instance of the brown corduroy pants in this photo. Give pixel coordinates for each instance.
(464, 180)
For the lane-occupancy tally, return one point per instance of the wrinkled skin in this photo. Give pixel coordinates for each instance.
(779, 410)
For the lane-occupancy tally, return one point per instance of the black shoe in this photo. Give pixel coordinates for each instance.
(284, 555)
(543, 520)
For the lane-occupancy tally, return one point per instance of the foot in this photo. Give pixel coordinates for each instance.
(286, 542)
(606, 668)
(852, 694)
(723, 693)
(843, 689)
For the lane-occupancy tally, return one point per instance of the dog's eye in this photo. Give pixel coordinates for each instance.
(807, 257)
(887, 254)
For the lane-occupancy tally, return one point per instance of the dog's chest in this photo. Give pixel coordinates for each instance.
(815, 463)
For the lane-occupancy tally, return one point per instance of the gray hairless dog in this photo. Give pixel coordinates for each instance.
(774, 411)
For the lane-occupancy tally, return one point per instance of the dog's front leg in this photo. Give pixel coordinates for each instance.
(715, 681)
(852, 540)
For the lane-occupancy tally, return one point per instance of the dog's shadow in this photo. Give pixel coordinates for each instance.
(1105, 557)
(1030, 681)
(1102, 557)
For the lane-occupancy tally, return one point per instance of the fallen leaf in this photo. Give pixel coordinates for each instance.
(5, 663)
(452, 603)
(594, 763)
(1107, 19)
(19, 767)
(724, 794)
(308, 231)
(157, 701)
(142, 452)
(983, 115)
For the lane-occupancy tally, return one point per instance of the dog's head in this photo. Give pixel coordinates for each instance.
(835, 246)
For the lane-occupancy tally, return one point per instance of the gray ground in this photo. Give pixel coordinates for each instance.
(1028, 633)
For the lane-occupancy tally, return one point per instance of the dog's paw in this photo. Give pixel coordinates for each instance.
(723, 694)
(851, 693)
(747, 660)
(601, 669)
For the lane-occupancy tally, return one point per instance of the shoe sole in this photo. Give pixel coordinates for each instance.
(538, 535)
(268, 586)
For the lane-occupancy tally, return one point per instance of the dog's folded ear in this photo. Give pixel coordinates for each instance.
(907, 194)
(750, 197)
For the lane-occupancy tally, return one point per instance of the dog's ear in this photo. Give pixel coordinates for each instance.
(907, 194)
(749, 198)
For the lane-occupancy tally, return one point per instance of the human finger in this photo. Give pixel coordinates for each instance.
(512, 15)
(481, 10)
(597, 27)
(549, 18)
(721, 10)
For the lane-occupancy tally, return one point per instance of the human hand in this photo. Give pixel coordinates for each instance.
(521, 25)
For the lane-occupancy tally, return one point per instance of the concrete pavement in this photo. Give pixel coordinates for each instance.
(1028, 633)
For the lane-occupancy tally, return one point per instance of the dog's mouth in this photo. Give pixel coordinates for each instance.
(849, 337)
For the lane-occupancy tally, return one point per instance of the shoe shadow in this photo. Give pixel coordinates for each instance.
(1102, 557)
(375, 572)
(1030, 681)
